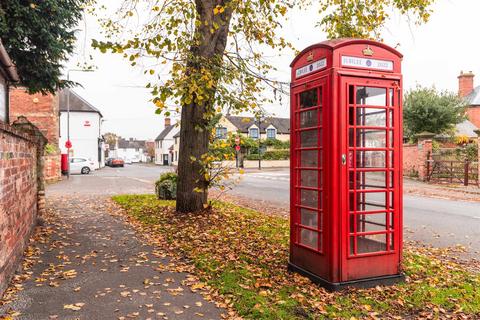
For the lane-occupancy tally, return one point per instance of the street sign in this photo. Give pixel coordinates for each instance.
(237, 148)
(68, 144)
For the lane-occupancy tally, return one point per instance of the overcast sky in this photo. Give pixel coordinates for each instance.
(434, 54)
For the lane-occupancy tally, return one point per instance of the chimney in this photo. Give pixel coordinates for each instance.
(465, 83)
(168, 122)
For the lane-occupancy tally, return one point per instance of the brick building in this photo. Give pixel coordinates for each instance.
(42, 111)
(467, 90)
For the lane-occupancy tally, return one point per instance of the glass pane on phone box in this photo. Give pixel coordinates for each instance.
(309, 158)
(371, 138)
(308, 98)
(309, 238)
(372, 96)
(371, 243)
(371, 117)
(309, 198)
(371, 222)
(371, 201)
(371, 159)
(371, 180)
(308, 138)
(309, 178)
(308, 218)
(309, 118)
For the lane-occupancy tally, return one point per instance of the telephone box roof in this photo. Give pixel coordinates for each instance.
(341, 42)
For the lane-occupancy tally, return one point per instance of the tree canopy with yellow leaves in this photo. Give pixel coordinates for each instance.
(213, 52)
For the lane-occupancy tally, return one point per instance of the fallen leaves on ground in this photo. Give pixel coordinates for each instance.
(240, 257)
(74, 307)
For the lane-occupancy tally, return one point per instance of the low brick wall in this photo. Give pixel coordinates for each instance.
(415, 159)
(478, 159)
(251, 164)
(18, 197)
(51, 169)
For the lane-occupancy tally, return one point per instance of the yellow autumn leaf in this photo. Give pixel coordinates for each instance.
(218, 10)
(74, 307)
(198, 286)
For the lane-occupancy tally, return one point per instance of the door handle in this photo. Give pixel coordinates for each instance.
(344, 159)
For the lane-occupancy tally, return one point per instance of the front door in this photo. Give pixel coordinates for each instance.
(372, 202)
(165, 159)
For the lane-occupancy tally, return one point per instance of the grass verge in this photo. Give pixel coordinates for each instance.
(242, 255)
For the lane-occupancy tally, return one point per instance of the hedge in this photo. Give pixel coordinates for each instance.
(271, 155)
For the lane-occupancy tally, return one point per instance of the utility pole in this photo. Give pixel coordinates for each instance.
(69, 143)
(260, 119)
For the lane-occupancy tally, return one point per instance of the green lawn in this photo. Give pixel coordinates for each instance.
(242, 254)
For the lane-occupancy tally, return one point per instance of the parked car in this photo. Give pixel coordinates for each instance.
(117, 162)
(81, 165)
(108, 162)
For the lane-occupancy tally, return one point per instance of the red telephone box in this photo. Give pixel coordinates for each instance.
(346, 158)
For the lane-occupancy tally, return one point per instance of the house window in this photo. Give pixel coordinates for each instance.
(253, 133)
(271, 133)
(221, 133)
(3, 100)
(176, 156)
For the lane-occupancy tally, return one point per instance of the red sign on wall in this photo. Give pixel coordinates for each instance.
(86, 123)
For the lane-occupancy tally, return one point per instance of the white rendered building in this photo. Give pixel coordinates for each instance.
(85, 128)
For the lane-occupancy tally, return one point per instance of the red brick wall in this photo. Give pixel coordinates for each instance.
(473, 114)
(478, 167)
(415, 157)
(465, 83)
(42, 111)
(51, 168)
(18, 198)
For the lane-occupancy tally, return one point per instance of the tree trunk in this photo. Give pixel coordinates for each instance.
(192, 145)
(192, 188)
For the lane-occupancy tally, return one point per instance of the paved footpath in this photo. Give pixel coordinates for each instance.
(94, 267)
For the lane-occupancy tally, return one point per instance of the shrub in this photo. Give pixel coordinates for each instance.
(435, 146)
(253, 156)
(271, 155)
(428, 110)
(51, 149)
(276, 144)
(468, 152)
(166, 186)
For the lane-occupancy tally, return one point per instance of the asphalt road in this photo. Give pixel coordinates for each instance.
(134, 178)
(438, 222)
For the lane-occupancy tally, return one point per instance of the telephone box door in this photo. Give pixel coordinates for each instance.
(308, 205)
(372, 199)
